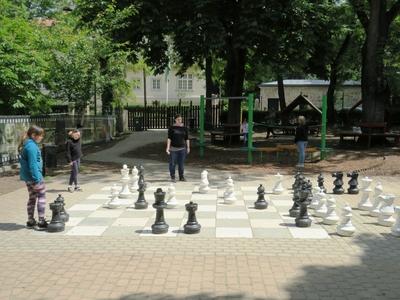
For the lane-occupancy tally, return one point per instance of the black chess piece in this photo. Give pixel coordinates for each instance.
(295, 209)
(141, 202)
(338, 183)
(191, 226)
(353, 183)
(141, 173)
(321, 182)
(308, 187)
(159, 226)
(303, 219)
(63, 213)
(261, 203)
(56, 224)
(296, 178)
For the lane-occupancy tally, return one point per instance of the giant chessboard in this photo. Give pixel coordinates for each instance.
(219, 220)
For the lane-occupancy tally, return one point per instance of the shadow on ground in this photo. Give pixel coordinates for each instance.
(10, 226)
(201, 296)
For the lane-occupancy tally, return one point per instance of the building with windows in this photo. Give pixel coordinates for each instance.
(166, 88)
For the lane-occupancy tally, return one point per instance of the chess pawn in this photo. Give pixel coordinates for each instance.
(315, 198)
(261, 203)
(191, 226)
(338, 183)
(346, 228)
(159, 226)
(353, 183)
(113, 202)
(365, 202)
(229, 194)
(303, 219)
(374, 210)
(56, 224)
(125, 193)
(320, 180)
(204, 188)
(386, 212)
(171, 202)
(278, 188)
(331, 217)
(321, 209)
(63, 213)
(396, 227)
(135, 179)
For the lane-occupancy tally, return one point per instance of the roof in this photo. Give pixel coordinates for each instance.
(308, 82)
(296, 102)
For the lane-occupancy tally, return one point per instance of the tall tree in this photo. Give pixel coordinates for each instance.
(376, 17)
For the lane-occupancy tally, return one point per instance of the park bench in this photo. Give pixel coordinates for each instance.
(225, 133)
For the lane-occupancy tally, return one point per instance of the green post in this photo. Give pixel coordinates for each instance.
(250, 105)
(323, 127)
(201, 124)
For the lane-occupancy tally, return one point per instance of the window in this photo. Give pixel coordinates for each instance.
(156, 84)
(137, 83)
(185, 82)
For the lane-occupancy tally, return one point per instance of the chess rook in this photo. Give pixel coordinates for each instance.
(386, 211)
(191, 226)
(56, 224)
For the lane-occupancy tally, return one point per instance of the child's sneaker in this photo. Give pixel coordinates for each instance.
(70, 189)
(42, 225)
(78, 189)
(31, 223)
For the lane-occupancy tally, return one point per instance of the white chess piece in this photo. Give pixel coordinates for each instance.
(171, 202)
(331, 217)
(365, 202)
(396, 227)
(346, 228)
(321, 209)
(135, 179)
(125, 193)
(315, 198)
(374, 211)
(278, 188)
(229, 194)
(113, 202)
(204, 188)
(386, 212)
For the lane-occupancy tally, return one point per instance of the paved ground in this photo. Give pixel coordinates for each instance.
(58, 266)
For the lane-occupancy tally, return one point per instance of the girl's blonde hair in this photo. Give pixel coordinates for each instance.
(33, 130)
(301, 120)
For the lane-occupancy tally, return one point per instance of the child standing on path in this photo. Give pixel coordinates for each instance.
(31, 172)
(74, 154)
(244, 128)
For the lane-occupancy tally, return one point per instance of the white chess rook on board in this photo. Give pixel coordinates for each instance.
(346, 228)
(135, 179)
(387, 210)
(125, 193)
(278, 188)
(204, 188)
(229, 194)
(374, 210)
(365, 202)
(396, 227)
(171, 202)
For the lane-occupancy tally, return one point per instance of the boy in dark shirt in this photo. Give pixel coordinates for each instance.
(74, 154)
(301, 140)
(178, 146)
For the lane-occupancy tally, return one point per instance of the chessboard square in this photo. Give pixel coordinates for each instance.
(96, 222)
(94, 201)
(204, 222)
(308, 233)
(279, 203)
(231, 207)
(209, 197)
(232, 215)
(171, 222)
(263, 214)
(205, 202)
(249, 188)
(270, 208)
(282, 233)
(205, 232)
(172, 232)
(206, 214)
(234, 206)
(132, 222)
(87, 230)
(91, 207)
(207, 208)
(231, 232)
(73, 221)
(233, 223)
(127, 231)
(137, 213)
(106, 213)
(174, 214)
(79, 213)
(126, 201)
(98, 197)
(266, 223)
(238, 194)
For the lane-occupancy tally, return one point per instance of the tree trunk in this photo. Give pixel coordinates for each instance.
(375, 89)
(209, 89)
(281, 92)
(107, 94)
